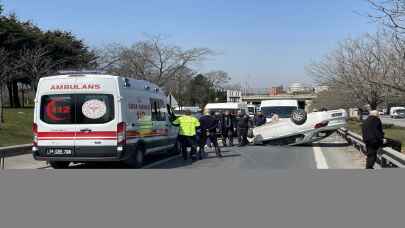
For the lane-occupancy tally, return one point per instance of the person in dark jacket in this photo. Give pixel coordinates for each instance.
(243, 128)
(260, 119)
(373, 137)
(227, 129)
(208, 128)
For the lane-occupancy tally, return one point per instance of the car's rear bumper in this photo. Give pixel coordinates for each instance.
(84, 154)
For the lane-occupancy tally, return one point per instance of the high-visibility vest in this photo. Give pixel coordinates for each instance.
(188, 125)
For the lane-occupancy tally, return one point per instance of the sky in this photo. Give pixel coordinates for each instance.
(260, 43)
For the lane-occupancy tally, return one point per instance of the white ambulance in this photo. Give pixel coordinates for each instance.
(90, 118)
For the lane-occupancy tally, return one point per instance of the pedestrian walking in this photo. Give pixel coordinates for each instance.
(188, 129)
(228, 129)
(373, 137)
(260, 119)
(208, 127)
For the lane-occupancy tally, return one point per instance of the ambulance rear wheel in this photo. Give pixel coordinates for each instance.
(136, 160)
(59, 164)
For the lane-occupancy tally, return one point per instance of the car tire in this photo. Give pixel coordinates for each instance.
(299, 117)
(59, 164)
(136, 159)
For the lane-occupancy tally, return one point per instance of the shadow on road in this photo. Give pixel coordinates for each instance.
(330, 145)
(116, 165)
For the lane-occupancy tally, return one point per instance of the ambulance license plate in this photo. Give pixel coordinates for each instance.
(57, 151)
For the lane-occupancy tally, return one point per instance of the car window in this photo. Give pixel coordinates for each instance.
(158, 110)
(94, 109)
(57, 109)
(77, 109)
(281, 111)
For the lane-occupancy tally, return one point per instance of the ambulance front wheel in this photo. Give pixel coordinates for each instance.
(136, 159)
(59, 164)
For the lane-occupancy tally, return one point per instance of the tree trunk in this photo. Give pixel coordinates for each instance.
(22, 97)
(373, 105)
(10, 94)
(1, 105)
(16, 96)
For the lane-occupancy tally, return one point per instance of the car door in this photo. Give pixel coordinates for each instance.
(56, 112)
(96, 118)
(173, 131)
(159, 128)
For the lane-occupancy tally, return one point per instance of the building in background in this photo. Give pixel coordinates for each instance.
(233, 96)
(298, 88)
(319, 89)
(275, 91)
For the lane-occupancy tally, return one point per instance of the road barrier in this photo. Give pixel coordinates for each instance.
(387, 156)
(11, 151)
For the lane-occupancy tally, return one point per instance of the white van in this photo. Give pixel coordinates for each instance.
(222, 107)
(397, 112)
(89, 118)
(283, 108)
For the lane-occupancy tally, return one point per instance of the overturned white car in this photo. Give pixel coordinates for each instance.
(301, 128)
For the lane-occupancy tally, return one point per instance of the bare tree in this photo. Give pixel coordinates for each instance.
(392, 57)
(335, 98)
(355, 66)
(36, 63)
(219, 79)
(390, 13)
(152, 60)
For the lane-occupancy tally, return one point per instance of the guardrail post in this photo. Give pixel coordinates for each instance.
(384, 163)
(3, 156)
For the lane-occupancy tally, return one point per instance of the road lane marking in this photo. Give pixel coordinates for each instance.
(320, 159)
(160, 162)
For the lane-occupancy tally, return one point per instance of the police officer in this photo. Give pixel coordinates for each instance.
(188, 129)
(373, 137)
(243, 128)
(208, 127)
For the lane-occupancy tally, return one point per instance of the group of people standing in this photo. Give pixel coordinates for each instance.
(197, 133)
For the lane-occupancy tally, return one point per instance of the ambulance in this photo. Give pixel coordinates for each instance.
(88, 117)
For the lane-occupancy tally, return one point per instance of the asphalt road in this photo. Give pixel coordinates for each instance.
(331, 153)
(389, 120)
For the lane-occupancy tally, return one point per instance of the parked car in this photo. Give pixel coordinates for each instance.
(397, 112)
(92, 118)
(300, 128)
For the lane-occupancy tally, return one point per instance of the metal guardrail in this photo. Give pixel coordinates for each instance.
(387, 157)
(11, 151)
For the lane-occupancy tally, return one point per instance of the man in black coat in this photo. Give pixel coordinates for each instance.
(260, 119)
(243, 127)
(373, 137)
(208, 128)
(227, 128)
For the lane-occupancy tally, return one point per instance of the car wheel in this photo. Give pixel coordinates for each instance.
(59, 164)
(299, 117)
(136, 159)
